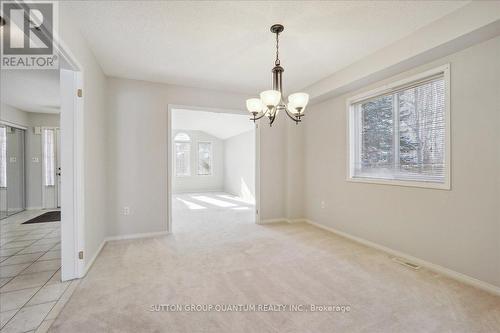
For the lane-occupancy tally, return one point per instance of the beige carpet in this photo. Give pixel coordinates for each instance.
(218, 256)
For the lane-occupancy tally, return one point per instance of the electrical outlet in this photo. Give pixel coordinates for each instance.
(126, 210)
(35, 159)
(323, 204)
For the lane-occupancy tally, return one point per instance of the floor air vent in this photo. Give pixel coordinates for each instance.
(406, 263)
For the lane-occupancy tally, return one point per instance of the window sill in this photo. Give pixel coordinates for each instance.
(406, 183)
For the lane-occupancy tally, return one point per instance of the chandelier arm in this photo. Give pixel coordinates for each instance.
(259, 117)
(271, 120)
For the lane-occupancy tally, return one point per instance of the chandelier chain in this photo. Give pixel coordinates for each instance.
(277, 62)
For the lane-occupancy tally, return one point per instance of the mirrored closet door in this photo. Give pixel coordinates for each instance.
(12, 197)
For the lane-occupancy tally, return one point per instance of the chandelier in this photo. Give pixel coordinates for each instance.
(271, 102)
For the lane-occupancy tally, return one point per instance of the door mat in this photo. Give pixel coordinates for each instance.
(54, 216)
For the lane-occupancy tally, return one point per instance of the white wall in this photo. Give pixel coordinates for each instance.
(13, 115)
(457, 229)
(95, 134)
(273, 167)
(195, 182)
(295, 163)
(239, 165)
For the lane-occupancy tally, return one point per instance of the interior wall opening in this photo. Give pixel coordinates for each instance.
(212, 169)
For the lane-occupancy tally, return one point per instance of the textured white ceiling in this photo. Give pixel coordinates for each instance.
(220, 125)
(31, 90)
(227, 44)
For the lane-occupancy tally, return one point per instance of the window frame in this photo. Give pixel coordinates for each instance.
(189, 143)
(352, 142)
(211, 159)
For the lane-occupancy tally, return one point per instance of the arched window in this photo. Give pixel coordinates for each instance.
(183, 137)
(182, 148)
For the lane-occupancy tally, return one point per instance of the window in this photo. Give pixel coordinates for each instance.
(3, 156)
(204, 158)
(400, 134)
(182, 147)
(49, 157)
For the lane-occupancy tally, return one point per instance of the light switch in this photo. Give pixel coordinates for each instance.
(13, 159)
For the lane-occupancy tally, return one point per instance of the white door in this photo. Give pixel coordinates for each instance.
(58, 167)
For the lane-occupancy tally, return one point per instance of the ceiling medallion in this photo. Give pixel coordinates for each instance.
(271, 102)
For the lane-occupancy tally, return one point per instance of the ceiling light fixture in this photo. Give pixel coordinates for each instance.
(271, 102)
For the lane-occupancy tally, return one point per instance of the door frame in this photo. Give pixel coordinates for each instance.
(170, 168)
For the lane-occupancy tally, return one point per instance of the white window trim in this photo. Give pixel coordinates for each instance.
(189, 159)
(211, 159)
(445, 69)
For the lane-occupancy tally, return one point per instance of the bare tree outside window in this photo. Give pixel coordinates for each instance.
(401, 135)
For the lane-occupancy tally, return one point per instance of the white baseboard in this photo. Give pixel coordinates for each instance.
(433, 267)
(91, 262)
(199, 191)
(34, 208)
(136, 236)
(116, 238)
(301, 220)
(281, 220)
(268, 221)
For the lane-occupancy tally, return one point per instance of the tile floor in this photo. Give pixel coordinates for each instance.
(31, 291)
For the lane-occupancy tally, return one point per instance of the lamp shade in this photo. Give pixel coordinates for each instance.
(254, 105)
(292, 108)
(270, 98)
(299, 100)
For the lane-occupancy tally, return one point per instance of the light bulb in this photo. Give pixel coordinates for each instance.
(270, 98)
(299, 101)
(292, 108)
(254, 105)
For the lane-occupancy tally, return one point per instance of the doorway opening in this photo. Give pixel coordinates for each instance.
(30, 142)
(41, 172)
(212, 169)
